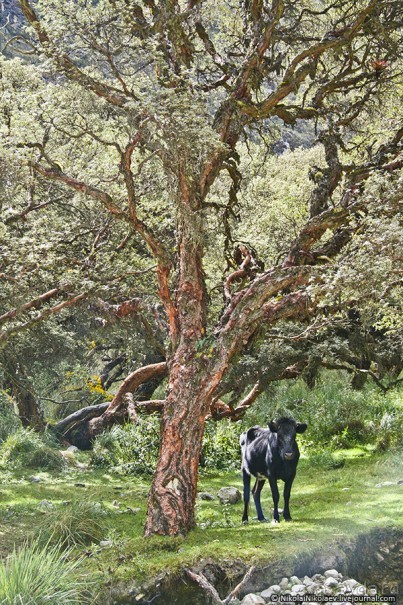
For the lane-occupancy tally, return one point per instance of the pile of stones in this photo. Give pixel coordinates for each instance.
(331, 582)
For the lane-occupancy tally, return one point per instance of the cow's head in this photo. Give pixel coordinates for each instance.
(287, 429)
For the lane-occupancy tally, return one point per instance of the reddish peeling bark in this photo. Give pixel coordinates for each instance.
(129, 385)
(171, 501)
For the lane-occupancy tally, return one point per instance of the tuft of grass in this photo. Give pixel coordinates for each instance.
(77, 524)
(40, 575)
(27, 448)
(325, 460)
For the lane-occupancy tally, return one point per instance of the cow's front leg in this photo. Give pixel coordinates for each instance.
(287, 493)
(276, 497)
(257, 489)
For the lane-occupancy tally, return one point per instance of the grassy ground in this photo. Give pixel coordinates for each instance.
(326, 505)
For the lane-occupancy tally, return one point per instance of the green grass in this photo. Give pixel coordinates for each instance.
(39, 575)
(326, 505)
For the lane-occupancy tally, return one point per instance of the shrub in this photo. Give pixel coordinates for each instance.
(389, 431)
(9, 422)
(325, 460)
(78, 523)
(41, 575)
(221, 446)
(132, 448)
(334, 411)
(27, 448)
(46, 458)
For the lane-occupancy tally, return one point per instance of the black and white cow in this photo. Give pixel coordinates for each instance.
(270, 454)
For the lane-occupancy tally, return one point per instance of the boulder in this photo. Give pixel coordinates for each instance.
(331, 582)
(229, 495)
(253, 599)
(332, 573)
(205, 496)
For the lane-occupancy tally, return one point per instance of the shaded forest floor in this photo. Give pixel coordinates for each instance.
(327, 506)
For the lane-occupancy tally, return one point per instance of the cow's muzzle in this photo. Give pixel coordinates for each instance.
(289, 456)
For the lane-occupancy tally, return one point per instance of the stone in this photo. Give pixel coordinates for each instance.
(295, 580)
(73, 449)
(253, 599)
(105, 543)
(350, 584)
(379, 557)
(45, 505)
(284, 583)
(307, 581)
(205, 496)
(318, 577)
(331, 582)
(400, 482)
(276, 588)
(229, 495)
(34, 479)
(267, 594)
(298, 588)
(332, 573)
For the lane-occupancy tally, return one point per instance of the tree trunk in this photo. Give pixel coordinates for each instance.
(29, 412)
(171, 501)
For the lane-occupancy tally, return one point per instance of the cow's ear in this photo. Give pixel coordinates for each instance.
(273, 426)
(301, 427)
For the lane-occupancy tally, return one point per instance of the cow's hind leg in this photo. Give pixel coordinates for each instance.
(276, 497)
(257, 488)
(246, 495)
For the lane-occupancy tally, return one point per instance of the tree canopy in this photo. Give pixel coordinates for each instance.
(138, 176)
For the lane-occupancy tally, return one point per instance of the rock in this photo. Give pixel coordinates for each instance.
(345, 489)
(134, 511)
(73, 449)
(400, 482)
(34, 479)
(105, 543)
(318, 577)
(267, 594)
(331, 582)
(205, 496)
(284, 583)
(379, 557)
(332, 573)
(45, 505)
(349, 584)
(294, 580)
(253, 599)
(68, 456)
(298, 589)
(229, 495)
(307, 581)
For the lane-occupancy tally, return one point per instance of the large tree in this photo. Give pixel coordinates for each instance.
(140, 107)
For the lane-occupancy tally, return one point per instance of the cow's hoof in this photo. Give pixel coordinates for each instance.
(264, 520)
(275, 521)
(244, 521)
(287, 519)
